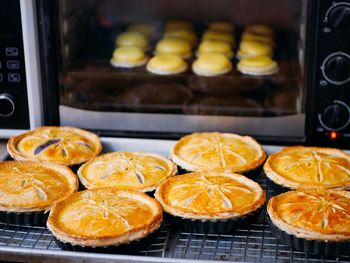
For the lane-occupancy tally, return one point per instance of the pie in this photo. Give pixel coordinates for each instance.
(250, 48)
(213, 150)
(166, 64)
(104, 217)
(60, 145)
(210, 195)
(257, 66)
(309, 167)
(34, 186)
(312, 214)
(127, 170)
(218, 46)
(132, 39)
(128, 57)
(211, 64)
(174, 46)
(219, 35)
(222, 26)
(185, 34)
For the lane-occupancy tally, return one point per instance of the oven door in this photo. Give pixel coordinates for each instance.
(95, 95)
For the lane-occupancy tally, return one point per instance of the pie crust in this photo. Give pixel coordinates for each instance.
(210, 196)
(34, 186)
(126, 170)
(105, 216)
(312, 214)
(60, 145)
(213, 150)
(309, 167)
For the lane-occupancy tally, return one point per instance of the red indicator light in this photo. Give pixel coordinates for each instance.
(334, 135)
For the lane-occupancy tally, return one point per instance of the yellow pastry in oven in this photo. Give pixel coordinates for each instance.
(258, 66)
(219, 35)
(178, 24)
(132, 38)
(144, 28)
(174, 46)
(215, 46)
(250, 48)
(166, 64)
(260, 29)
(128, 57)
(211, 64)
(260, 38)
(222, 26)
(184, 34)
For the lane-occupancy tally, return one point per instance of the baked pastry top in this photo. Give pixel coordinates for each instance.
(309, 167)
(126, 170)
(210, 195)
(250, 48)
(148, 29)
(215, 46)
(260, 65)
(128, 57)
(219, 35)
(312, 214)
(104, 216)
(132, 38)
(185, 34)
(213, 150)
(221, 25)
(166, 64)
(34, 186)
(175, 46)
(61, 145)
(211, 64)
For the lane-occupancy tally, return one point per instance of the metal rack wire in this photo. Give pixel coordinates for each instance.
(253, 242)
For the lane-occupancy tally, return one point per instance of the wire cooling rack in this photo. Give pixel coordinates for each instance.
(253, 242)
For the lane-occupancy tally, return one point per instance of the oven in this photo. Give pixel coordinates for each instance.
(55, 69)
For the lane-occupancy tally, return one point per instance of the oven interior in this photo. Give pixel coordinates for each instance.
(87, 31)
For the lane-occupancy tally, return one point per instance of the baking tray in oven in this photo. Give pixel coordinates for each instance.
(253, 242)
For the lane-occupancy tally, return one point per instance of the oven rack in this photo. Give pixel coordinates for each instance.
(252, 242)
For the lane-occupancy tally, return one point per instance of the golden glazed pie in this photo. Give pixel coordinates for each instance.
(166, 64)
(174, 46)
(257, 66)
(104, 217)
(127, 170)
(309, 167)
(221, 26)
(211, 64)
(60, 145)
(210, 195)
(213, 150)
(34, 186)
(312, 214)
(128, 57)
(132, 38)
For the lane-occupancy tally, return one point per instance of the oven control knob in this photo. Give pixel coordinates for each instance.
(7, 105)
(336, 68)
(336, 116)
(339, 17)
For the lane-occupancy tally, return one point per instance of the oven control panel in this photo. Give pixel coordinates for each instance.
(14, 113)
(332, 76)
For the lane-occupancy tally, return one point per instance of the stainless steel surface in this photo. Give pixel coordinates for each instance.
(268, 126)
(251, 243)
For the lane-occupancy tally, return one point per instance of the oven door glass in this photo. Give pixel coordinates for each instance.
(240, 77)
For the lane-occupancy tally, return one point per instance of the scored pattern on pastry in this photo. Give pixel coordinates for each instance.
(103, 213)
(312, 166)
(215, 150)
(126, 170)
(27, 184)
(209, 193)
(322, 211)
(56, 144)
